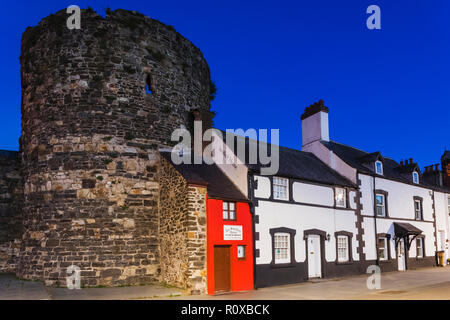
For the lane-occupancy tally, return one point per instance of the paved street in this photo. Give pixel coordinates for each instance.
(430, 283)
(13, 289)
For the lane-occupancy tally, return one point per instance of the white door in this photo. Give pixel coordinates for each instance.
(314, 257)
(401, 255)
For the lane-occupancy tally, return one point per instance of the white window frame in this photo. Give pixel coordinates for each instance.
(381, 206)
(282, 241)
(416, 178)
(420, 254)
(342, 243)
(341, 203)
(381, 172)
(386, 251)
(420, 211)
(228, 211)
(279, 183)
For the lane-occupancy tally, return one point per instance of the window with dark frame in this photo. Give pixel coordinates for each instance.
(418, 209)
(419, 247)
(381, 205)
(280, 188)
(282, 244)
(382, 248)
(448, 201)
(416, 177)
(341, 198)
(229, 211)
(379, 167)
(343, 248)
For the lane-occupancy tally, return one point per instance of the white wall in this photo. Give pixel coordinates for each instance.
(442, 220)
(264, 188)
(367, 200)
(400, 203)
(314, 194)
(300, 218)
(401, 199)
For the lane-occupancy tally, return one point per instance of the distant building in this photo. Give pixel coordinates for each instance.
(404, 216)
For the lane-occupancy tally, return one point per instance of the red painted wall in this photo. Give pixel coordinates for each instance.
(241, 270)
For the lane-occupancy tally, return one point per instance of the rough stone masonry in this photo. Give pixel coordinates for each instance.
(97, 104)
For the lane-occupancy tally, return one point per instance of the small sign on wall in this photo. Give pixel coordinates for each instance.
(241, 252)
(233, 233)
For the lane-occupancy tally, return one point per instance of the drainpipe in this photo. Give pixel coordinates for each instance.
(375, 219)
(251, 197)
(435, 232)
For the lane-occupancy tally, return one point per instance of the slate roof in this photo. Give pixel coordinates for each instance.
(391, 169)
(403, 229)
(216, 182)
(298, 165)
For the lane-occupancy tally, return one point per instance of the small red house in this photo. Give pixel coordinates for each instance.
(229, 228)
(230, 245)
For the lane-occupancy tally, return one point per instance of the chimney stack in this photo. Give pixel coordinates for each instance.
(315, 126)
(445, 162)
(433, 175)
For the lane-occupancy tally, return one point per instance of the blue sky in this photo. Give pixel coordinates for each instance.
(386, 89)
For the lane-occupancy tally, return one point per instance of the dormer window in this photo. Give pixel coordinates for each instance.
(416, 177)
(379, 167)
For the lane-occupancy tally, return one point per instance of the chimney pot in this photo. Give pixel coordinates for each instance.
(410, 160)
(401, 163)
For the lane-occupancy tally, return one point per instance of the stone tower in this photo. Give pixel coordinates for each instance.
(97, 103)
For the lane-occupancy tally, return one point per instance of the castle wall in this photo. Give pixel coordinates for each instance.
(10, 214)
(90, 134)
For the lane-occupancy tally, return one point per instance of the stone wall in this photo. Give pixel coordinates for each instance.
(90, 135)
(197, 197)
(11, 192)
(182, 231)
(173, 208)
